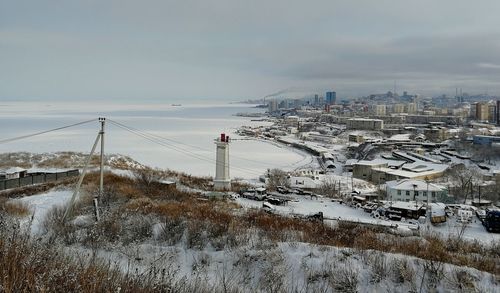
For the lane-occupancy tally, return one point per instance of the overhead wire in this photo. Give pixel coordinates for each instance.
(199, 148)
(44, 132)
(146, 136)
(165, 142)
(155, 139)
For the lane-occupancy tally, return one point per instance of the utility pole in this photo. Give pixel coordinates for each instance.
(101, 182)
(69, 209)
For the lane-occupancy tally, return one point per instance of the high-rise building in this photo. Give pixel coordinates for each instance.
(331, 98)
(380, 110)
(473, 108)
(412, 108)
(398, 108)
(297, 103)
(482, 111)
(273, 105)
(498, 112)
(316, 100)
(492, 112)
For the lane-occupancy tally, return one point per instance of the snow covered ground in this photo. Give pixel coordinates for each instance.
(306, 206)
(288, 266)
(40, 204)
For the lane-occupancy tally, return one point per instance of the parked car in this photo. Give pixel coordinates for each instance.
(268, 207)
(379, 213)
(393, 215)
(283, 189)
(233, 195)
(481, 214)
(492, 221)
(369, 207)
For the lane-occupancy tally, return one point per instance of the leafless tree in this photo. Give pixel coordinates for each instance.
(464, 179)
(277, 178)
(328, 188)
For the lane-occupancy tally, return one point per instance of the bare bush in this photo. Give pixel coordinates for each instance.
(344, 278)
(14, 207)
(328, 188)
(29, 266)
(403, 271)
(379, 268)
(172, 230)
(54, 225)
(433, 271)
(196, 234)
(106, 231)
(147, 178)
(273, 272)
(462, 281)
(136, 228)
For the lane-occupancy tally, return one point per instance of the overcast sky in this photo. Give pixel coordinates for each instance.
(230, 49)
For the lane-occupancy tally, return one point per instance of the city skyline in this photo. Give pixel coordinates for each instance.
(237, 50)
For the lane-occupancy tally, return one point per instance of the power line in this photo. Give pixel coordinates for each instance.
(196, 147)
(153, 139)
(146, 136)
(43, 132)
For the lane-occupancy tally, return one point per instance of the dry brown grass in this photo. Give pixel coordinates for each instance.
(15, 208)
(29, 266)
(222, 223)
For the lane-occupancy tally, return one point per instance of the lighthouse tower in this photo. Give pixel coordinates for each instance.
(222, 180)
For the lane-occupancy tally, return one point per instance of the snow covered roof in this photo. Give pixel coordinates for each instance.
(167, 182)
(364, 119)
(437, 205)
(47, 170)
(380, 161)
(409, 184)
(400, 137)
(13, 170)
(411, 205)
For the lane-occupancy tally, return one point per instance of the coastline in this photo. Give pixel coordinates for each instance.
(189, 127)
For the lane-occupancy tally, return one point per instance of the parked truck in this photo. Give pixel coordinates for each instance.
(438, 214)
(492, 221)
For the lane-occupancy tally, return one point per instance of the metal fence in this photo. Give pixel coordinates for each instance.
(36, 178)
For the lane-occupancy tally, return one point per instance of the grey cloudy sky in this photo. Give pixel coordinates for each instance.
(245, 49)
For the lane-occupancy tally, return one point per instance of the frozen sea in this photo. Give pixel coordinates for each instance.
(190, 130)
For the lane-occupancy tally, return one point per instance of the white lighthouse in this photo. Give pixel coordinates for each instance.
(222, 180)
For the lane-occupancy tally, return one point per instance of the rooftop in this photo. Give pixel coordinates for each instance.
(408, 184)
(411, 205)
(13, 170)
